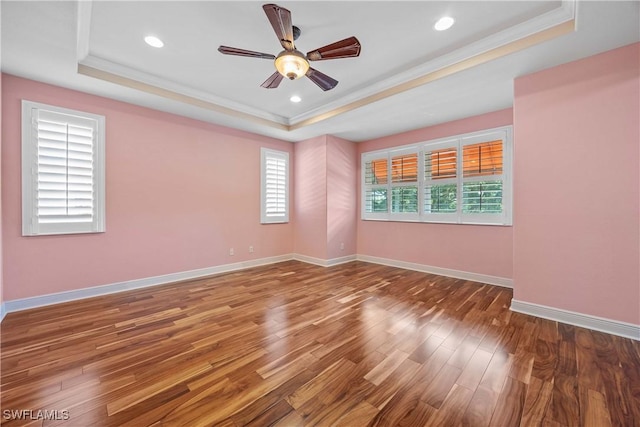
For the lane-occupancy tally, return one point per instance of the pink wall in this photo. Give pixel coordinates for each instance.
(179, 193)
(577, 185)
(310, 208)
(475, 249)
(1, 240)
(342, 196)
(325, 194)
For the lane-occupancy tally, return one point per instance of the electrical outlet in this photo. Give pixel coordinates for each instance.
(342, 246)
(250, 249)
(231, 252)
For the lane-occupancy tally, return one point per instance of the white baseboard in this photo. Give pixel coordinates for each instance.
(614, 327)
(60, 297)
(324, 262)
(457, 274)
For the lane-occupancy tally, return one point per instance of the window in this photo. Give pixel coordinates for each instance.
(463, 179)
(62, 171)
(441, 181)
(274, 206)
(482, 176)
(375, 186)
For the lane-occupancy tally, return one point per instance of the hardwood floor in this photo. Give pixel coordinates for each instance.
(293, 344)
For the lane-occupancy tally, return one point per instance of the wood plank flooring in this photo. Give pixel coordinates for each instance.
(292, 344)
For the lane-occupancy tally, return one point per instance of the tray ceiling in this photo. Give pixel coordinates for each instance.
(407, 76)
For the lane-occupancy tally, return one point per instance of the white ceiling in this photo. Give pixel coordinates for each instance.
(461, 72)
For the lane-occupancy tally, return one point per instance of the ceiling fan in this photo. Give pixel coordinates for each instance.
(291, 63)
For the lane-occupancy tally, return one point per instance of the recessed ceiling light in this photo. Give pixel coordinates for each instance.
(153, 41)
(444, 23)
(295, 98)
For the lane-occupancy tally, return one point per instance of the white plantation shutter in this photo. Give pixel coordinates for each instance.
(275, 186)
(486, 192)
(63, 171)
(375, 189)
(462, 179)
(440, 181)
(404, 183)
(390, 187)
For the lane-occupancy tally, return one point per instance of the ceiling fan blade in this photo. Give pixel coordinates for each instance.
(243, 52)
(322, 80)
(273, 81)
(280, 19)
(347, 48)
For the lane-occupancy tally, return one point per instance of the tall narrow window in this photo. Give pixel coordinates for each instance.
(483, 178)
(62, 171)
(404, 183)
(275, 186)
(376, 171)
(440, 182)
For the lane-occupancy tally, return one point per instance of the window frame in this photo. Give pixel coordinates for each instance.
(440, 144)
(456, 142)
(406, 216)
(376, 186)
(31, 226)
(265, 153)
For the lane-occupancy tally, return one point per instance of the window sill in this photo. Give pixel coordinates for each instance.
(421, 221)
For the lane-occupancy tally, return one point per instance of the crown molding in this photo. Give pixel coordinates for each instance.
(544, 27)
(84, 29)
(116, 73)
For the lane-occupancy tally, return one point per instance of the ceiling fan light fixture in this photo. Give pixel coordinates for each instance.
(292, 64)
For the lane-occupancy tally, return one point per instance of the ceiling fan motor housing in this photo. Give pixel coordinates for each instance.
(296, 32)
